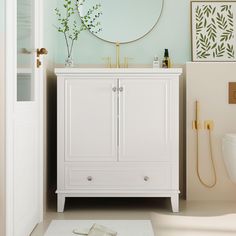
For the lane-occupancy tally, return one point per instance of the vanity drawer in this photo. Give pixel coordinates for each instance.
(102, 178)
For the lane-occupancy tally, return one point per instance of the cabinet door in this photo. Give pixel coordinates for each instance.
(145, 120)
(90, 120)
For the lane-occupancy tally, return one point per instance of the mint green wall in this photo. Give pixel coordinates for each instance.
(172, 32)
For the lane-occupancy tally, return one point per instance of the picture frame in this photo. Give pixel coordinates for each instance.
(213, 31)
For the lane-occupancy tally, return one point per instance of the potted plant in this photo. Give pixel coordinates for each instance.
(71, 28)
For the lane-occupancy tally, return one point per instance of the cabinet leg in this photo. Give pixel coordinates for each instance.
(175, 202)
(60, 202)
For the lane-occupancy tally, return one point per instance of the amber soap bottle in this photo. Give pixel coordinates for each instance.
(166, 60)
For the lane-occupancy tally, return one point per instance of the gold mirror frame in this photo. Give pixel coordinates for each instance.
(131, 41)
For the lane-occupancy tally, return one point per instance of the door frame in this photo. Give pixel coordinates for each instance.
(10, 99)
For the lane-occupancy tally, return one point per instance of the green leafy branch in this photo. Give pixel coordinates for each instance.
(213, 11)
(225, 8)
(230, 18)
(205, 46)
(222, 22)
(219, 51)
(230, 51)
(207, 9)
(90, 19)
(68, 26)
(211, 30)
(199, 18)
(227, 35)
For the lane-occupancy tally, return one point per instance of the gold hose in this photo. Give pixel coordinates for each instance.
(211, 157)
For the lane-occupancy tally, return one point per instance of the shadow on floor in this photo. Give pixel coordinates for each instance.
(115, 204)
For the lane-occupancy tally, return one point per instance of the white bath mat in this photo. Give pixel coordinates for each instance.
(122, 227)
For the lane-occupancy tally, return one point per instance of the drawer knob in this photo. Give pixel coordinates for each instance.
(89, 178)
(146, 178)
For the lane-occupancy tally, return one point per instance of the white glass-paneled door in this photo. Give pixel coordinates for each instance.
(24, 116)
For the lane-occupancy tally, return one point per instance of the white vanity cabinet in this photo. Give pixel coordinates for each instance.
(118, 132)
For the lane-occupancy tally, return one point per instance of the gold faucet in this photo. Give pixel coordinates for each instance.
(118, 63)
(108, 59)
(117, 55)
(126, 61)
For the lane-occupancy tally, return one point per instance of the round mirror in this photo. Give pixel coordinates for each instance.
(122, 21)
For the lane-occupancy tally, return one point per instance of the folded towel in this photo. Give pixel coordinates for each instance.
(100, 230)
(96, 230)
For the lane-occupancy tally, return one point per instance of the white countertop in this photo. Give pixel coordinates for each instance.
(75, 70)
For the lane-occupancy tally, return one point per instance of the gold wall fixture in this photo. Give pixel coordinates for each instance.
(196, 124)
(232, 92)
(117, 55)
(208, 125)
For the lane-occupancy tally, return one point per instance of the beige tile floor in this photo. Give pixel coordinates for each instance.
(198, 218)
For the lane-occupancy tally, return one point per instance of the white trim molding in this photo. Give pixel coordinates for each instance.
(11, 14)
(11, 105)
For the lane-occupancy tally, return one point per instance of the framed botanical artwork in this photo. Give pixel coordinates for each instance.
(213, 30)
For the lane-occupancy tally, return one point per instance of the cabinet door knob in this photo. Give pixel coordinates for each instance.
(89, 178)
(121, 89)
(146, 178)
(114, 89)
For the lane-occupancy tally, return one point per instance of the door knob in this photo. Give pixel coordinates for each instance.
(42, 51)
(121, 89)
(89, 178)
(114, 89)
(146, 178)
